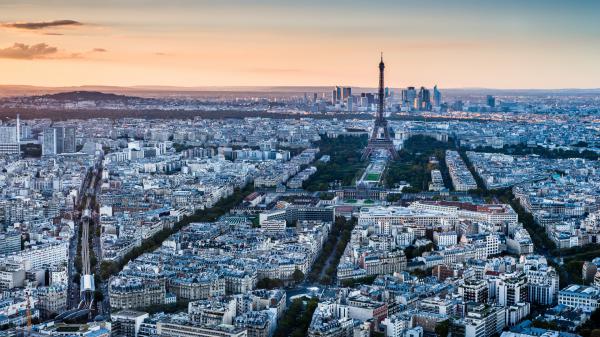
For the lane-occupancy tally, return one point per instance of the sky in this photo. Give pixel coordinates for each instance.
(454, 44)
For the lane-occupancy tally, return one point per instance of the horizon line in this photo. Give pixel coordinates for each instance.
(239, 87)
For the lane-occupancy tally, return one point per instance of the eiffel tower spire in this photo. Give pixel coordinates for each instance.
(380, 137)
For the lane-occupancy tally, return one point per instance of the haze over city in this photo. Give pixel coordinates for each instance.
(454, 44)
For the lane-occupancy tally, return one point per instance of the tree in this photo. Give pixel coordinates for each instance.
(98, 296)
(107, 269)
(442, 328)
(345, 162)
(206, 215)
(297, 318)
(267, 283)
(363, 280)
(298, 276)
(393, 197)
(326, 195)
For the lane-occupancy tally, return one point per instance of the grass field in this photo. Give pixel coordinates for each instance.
(372, 177)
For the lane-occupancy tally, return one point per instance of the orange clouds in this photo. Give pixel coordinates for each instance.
(22, 51)
(28, 52)
(41, 25)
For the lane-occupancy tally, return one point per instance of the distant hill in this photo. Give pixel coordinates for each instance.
(87, 96)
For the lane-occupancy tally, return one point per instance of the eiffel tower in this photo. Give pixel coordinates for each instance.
(380, 138)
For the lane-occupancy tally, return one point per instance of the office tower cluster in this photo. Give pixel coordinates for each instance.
(341, 95)
(342, 99)
(421, 100)
(57, 140)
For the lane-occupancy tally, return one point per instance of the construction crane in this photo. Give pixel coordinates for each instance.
(27, 330)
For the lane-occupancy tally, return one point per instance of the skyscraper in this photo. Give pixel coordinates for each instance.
(25, 131)
(340, 95)
(346, 93)
(424, 100)
(60, 140)
(69, 139)
(49, 142)
(369, 97)
(408, 97)
(57, 140)
(491, 101)
(10, 138)
(437, 97)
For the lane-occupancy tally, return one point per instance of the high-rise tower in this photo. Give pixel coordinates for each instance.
(380, 137)
(437, 97)
(10, 139)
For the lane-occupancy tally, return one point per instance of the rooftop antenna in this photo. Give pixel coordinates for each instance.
(19, 134)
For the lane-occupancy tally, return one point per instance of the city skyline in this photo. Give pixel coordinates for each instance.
(280, 43)
(234, 168)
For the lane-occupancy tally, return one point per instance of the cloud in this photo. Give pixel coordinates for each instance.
(22, 51)
(28, 52)
(42, 24)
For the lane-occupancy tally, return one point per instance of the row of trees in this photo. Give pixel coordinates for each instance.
(332, 251)
(591, 328)
(587, 252)
(345, 162)
(412, 251)
(296, 320)
(108, 269)
(269, 283)
(31, 150)
(538, 234)
(58, 114)
(363, 280)
(344, 234)
(573, 258)
(570, 270)
(61, 114)
(180, 305)
(413, 165)
(523, 149)
(540, 238)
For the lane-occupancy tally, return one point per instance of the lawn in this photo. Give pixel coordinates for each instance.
(372, 177)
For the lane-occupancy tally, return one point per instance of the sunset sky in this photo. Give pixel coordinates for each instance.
(462, 43)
